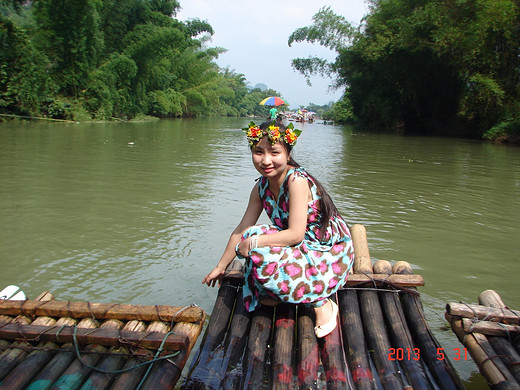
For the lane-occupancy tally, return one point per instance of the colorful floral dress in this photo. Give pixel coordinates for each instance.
(308, 272)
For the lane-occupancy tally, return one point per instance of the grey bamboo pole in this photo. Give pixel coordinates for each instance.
(309, 358)
(442, 370)
(400, 334)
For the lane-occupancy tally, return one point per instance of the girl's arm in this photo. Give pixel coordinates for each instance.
(253, 211)
(299, 197)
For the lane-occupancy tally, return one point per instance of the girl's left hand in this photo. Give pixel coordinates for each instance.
(243, 247)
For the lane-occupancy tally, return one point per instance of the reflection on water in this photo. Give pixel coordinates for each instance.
(139, 213)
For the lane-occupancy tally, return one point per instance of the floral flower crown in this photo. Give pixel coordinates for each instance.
(254, 134)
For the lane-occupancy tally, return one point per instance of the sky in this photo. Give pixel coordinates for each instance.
(255, 34)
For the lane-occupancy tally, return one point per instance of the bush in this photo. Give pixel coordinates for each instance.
(507, 131)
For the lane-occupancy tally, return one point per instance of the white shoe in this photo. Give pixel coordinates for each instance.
(325, 329)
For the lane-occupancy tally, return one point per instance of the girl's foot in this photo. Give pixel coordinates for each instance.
(326, 318)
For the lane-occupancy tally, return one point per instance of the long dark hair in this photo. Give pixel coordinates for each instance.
(326, 205)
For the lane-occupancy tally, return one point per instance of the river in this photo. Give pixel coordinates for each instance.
(140, 212)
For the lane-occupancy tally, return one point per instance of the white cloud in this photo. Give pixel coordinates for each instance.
(255, 33)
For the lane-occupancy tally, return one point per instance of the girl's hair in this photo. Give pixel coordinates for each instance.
(327, 207)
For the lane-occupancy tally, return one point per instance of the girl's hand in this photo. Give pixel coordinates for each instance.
(216, 275)
(243, 247)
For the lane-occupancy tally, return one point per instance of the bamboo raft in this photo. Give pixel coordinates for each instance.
(491, 333)
(51, 344)
(382, 341)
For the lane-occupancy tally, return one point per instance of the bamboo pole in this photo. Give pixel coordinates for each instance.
(481, 312)
(362, 262)
(479, 352)
(503, 347)
(101, 311)
(354, 340)
(442, 370)
(309, 358)
(400, 334)
(165, 374)
(283, 347)
(78, 370)
(256, 353)
(114, 361)
(130, 380)
(235, 343)
(16, 354)
(205, 370)
(337, 374)
(377, 339)
(61, 360)
(23, 373)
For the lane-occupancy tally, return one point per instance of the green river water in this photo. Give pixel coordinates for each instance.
(140, 212)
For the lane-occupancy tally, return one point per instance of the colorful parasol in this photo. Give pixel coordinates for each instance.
(272, 101)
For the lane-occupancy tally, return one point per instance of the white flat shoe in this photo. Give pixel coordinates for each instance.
(325, 329)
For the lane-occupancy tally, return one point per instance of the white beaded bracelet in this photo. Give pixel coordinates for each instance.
(253, 243)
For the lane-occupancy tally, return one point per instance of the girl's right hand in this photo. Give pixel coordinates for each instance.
(216, 275)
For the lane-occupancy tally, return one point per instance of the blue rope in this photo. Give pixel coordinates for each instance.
(150, 362)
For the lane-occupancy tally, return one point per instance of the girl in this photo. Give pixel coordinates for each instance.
(305, 256)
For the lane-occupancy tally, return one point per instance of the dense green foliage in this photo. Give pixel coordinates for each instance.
(449, 66)
(114, 58)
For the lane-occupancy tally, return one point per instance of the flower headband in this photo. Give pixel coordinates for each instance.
(254, 133)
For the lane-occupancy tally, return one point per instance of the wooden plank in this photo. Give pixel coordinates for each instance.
(379, 279)
(106, 337)
(480, 312)
(489, 328)
(101, 311)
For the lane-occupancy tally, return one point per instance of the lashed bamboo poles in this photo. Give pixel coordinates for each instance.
(502, 346)
(131, 379)
(481, 349)
(400, 334)
(16, 354)
(79, 369)
(371, 314)
(442, 370)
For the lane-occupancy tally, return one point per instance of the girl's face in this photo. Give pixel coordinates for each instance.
(270, 160)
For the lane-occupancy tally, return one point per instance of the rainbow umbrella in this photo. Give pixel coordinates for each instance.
(272, 101)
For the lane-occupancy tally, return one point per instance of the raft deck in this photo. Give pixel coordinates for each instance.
(381, 342)
(490, 331)
(48, 343)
